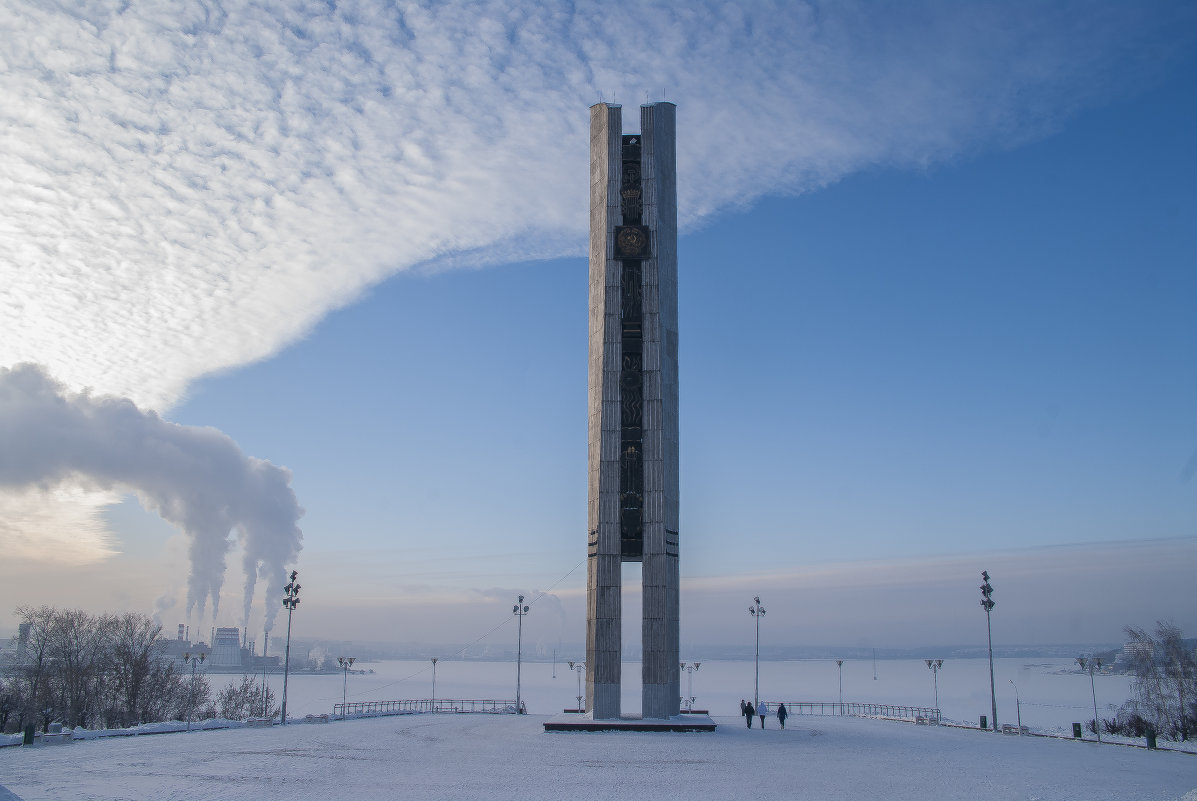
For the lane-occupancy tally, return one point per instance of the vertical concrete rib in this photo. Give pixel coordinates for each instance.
(660, 632)
(604, 568)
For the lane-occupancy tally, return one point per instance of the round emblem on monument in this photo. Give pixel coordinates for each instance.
(631, 240)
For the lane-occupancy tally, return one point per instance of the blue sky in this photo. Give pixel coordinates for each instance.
(936, 282)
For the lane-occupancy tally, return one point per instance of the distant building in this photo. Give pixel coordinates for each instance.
(226, 648)
(23, 638)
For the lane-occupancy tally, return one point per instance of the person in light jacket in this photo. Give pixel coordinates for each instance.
(762, 710)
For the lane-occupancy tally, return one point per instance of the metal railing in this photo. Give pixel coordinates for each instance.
(424, 705)
(918, 714)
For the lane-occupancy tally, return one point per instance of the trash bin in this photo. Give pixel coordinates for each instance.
(1150, 734)
(1076, 730)
(984, 722)
(28, 735)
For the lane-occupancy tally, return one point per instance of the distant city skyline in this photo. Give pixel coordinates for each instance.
(936, 277)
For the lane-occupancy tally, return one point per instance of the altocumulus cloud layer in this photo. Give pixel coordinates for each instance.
(189, 186)
(197, 478)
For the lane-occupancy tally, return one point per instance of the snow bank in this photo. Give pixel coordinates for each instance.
(164, 727)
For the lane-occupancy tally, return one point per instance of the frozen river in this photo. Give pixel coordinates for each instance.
(1052, 693)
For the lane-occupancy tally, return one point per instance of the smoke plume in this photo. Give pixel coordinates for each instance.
(197, 478)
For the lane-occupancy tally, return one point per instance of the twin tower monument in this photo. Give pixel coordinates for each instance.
(633, 404)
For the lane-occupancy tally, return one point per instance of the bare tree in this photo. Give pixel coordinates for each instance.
(9, 701)
(34, 661)
(1165, 685)
(195, 698)
(163, 693)
(241, 700)
(107, 670)
(134, 646)
(77, 647)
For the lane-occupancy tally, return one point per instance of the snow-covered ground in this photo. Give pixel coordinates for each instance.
(442, 757)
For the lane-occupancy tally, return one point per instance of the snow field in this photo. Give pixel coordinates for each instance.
(442, 757)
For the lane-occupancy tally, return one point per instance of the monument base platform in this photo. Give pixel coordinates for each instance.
(583, 722)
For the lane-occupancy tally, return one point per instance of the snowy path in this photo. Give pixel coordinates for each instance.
(435, 757)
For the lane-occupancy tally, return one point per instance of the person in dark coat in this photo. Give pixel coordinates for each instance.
(782, 714)
(741, 707)
(749, 713)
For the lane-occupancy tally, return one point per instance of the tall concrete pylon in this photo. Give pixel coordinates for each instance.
(633, 403)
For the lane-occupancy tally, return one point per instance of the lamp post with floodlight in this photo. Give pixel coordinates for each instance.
(434, 680)
(690, 667)
(345, 662)
(935, 665)
(519, 610)
(1091, 664)
(579, 667)
(757, 611)
(987, 604)
(193, 659)
(839, 664)
(290, 601)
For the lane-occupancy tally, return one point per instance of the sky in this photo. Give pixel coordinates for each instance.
(289, 286)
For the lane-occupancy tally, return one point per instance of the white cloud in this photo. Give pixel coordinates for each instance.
(190, 187)
(59, 524)
(196, 478)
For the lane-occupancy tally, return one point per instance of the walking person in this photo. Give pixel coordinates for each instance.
(748, 713)
(762, 710)
(741, 707)
(782, 714)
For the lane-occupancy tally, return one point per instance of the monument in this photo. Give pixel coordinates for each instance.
(633, 419)
(633, 403)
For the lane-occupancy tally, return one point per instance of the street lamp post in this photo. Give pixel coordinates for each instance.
(758, 612)
(1017, 706)
(988, 604)
(193, 659)
(519, 610)
(434, 680)
(291, 601)
(839, 664)
(579, 667)
(690, 668)
(935, 665)
(1091, 664)
(345, 662)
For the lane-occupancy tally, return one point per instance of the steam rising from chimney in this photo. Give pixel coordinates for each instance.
(197, 478)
